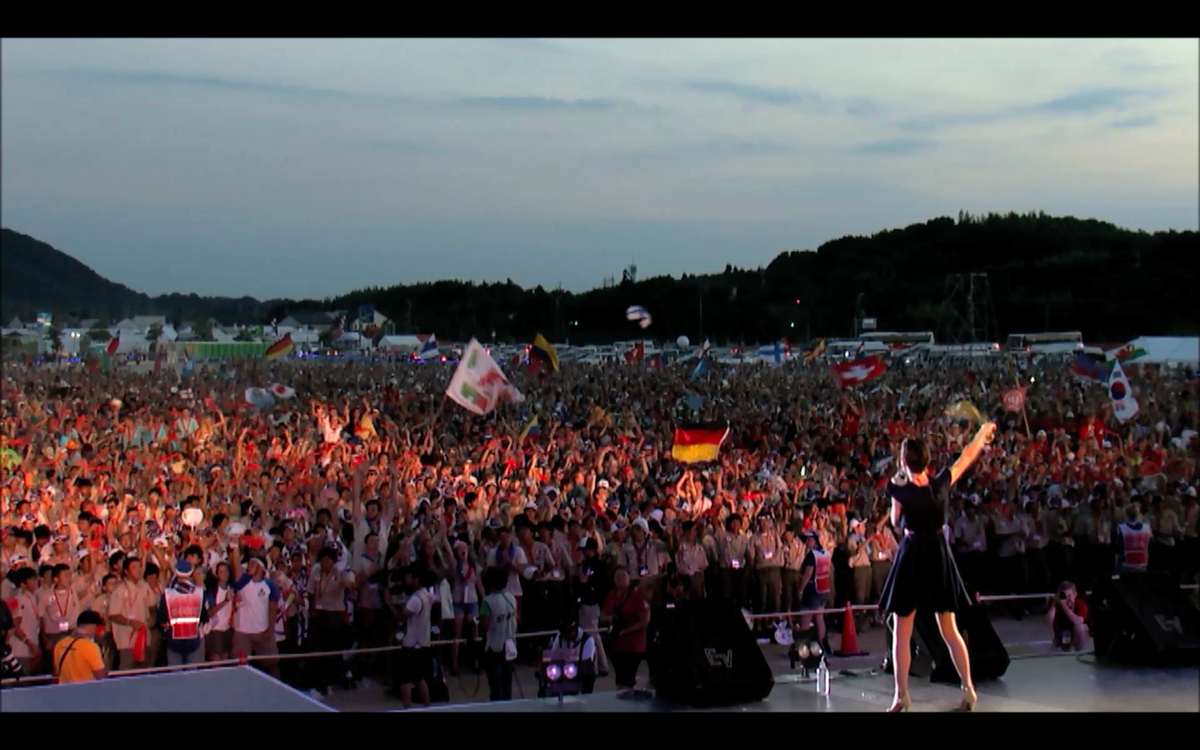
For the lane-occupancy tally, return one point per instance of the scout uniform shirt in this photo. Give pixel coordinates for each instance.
(133, 601)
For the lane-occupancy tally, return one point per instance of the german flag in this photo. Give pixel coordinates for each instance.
(541, 354)
(280, 348)
(698, 443)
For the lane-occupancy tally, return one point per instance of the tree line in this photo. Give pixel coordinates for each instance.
(1042, 273)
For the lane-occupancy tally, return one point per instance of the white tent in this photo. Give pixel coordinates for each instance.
(1153, 350)
(401, 343)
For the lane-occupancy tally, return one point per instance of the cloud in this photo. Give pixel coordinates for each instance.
(1141, 121)
(860, 106)
(407, 148)
(542, 104)
(896, 147)
(1080, 103)
(164, 79)
(1091, 101)
(757, 94)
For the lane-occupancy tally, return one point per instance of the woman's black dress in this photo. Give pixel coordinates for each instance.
(923, 575)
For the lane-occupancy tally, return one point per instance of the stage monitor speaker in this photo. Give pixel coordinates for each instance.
(702, 654)
(1145, 620)
(989, 657)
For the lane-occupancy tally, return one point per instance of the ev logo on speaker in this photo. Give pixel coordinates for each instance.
(1169, 626)
(716, 659)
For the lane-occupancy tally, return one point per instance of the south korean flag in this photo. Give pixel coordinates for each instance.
(1125, 406)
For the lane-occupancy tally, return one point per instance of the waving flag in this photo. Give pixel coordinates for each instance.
(531, 429)
(280, 391)
(697, 443)
(1128, 353)
(1125, 406)
(1014, 399)
(478, 384)
(1086, 367)
(702, 364)
(429, 347)
(542, 355)
(638, 314)
(280, 348)
(260, 398)
(114, 345)
(637, 353)
(859, 371)
(816, 351)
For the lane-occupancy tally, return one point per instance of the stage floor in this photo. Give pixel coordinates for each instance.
(220, 690)
(1066, 683)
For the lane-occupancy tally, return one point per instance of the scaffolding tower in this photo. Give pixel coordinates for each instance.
(967, 315)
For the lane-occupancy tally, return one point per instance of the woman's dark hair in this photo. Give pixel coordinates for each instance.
(916, 455)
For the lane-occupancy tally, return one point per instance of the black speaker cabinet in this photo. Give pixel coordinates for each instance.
(1145, 620)
(702, 654)
(988, 656)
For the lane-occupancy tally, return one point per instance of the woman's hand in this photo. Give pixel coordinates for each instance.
(987, 430)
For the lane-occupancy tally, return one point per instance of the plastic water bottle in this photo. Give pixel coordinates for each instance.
(823, 679)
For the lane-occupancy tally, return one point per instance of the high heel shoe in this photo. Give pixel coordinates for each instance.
(901, 705)
(969, 699)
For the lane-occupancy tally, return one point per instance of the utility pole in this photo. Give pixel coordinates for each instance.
(700, 332)
(857, 313)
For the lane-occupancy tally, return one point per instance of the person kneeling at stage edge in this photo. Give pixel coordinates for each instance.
(1068, 619)
(181, 614)
(571, 636)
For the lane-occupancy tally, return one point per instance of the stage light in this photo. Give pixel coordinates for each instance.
(570, 670)
(802, 651)
(553, 672)
(814, 648)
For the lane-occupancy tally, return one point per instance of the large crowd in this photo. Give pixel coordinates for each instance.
(157, 518)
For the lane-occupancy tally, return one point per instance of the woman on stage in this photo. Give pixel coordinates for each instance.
(923, 574)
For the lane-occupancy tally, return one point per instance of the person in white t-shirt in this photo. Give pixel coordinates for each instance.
(415, 659)
(509, 556)
(218, 638)
(255, 610)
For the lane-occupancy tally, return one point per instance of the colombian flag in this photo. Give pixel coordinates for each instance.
(698, 443)
(280, 348)
(816, 351)
(531, 430)
(541, 354)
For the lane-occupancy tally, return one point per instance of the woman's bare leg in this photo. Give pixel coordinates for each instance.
(902, 628)
(948, 627)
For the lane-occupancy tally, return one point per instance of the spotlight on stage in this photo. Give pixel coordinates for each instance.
(808, 656)
(560, 672)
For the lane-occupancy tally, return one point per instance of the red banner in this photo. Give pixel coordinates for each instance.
(1014, 400)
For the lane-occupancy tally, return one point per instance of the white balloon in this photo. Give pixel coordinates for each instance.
(683, 342)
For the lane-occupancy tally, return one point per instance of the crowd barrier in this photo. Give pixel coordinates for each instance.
(280, 657)
(37, 679)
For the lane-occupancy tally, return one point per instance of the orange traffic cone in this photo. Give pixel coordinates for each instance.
(849, 635)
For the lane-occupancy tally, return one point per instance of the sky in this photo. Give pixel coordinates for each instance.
(309, 168)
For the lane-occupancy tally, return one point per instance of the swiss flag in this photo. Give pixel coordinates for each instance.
(637, 353)
(859, 371)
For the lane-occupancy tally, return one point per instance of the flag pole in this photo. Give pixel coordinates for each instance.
(1024, 414)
